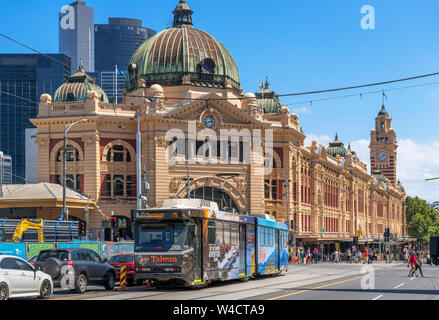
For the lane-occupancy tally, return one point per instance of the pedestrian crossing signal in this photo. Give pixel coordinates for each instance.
(355, 240)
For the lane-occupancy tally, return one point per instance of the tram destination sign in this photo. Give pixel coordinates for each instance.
(158, 214)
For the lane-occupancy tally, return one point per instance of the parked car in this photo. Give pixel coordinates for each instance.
(120, 260)
(19, 279)
(88, 267)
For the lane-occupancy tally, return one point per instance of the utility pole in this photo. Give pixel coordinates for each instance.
(139, 162)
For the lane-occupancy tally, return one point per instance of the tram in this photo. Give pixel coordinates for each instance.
(190, 242)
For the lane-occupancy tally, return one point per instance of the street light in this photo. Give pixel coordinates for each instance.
(65, 212)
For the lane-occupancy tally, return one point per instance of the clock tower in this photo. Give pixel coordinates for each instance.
(383, 146)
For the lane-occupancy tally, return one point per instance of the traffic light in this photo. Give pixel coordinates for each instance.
(387, 235)
(355, 241)
(82, 228)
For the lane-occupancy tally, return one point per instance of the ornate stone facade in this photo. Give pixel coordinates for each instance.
(329, 198)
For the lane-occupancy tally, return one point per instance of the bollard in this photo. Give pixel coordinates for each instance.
(123, 277)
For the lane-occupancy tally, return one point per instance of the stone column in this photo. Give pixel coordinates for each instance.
(43, 156)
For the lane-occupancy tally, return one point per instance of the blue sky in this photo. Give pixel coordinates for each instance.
(302, 46)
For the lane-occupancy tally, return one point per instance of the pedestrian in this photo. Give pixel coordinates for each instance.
(316, 255)
(418, 264)
(366, 255)
(412, 264)
(348, 256)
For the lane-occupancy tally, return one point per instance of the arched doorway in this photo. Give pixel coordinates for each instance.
(213, 194)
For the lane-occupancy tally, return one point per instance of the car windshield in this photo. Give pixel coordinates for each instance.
(60, 255)
(163, 237)
(121, 259)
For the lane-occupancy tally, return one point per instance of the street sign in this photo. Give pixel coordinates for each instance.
(337, 245)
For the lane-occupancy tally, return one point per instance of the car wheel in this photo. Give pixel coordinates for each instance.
(4, 291)
(81, 284)
(110, 281)
(46, 290)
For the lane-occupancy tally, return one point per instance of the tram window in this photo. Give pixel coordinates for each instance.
(211, 232)
(234, 234)
(219, 233)
(227, 233)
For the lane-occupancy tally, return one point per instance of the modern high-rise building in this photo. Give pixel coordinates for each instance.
(5, 169)
(76, 34)
(23, 78)
(31, 152)
(121, 37)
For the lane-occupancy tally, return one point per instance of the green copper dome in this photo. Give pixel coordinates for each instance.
(336, 148)
(77, 87)
(183, 55)
(268, 101)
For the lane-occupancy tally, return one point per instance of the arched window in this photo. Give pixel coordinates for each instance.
(213, 194)
(72, 154)
(119, 186)
(119, 154)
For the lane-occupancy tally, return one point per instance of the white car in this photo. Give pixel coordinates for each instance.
(18, 279)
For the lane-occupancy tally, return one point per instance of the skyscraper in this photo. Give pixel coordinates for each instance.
(23, 78)
(121, 37)
(5, 169)
(76, 34)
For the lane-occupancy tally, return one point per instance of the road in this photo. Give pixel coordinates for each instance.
(322, 281)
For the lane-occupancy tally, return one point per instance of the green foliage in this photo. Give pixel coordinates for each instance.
(422, 220)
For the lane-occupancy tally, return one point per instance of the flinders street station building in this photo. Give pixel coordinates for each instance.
(183, 79)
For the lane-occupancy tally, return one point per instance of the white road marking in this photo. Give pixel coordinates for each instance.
(377, 297)
(412, 278)
(399, 285)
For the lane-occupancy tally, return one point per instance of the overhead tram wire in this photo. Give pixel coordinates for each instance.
(34, 50)
(244, 98)
(361, 94)
(307, 92)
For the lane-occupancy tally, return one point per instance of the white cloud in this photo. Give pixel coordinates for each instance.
(301, 110)
(417, 161)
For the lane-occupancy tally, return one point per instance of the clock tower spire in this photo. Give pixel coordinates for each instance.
(383, 146)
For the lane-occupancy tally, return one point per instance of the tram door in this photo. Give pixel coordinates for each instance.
(242, 249)
(198, 255)
(277, 239)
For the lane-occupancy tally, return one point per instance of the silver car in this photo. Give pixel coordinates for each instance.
(19, 279)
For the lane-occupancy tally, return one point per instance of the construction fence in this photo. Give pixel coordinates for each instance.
(104, 249)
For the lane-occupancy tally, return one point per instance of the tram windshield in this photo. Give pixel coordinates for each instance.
(164, 237)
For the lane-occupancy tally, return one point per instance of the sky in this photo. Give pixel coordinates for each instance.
(303, 46)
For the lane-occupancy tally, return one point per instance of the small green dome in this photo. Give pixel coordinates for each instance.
(183, 55)
(77, 87)
(268, 101)
(336, 148)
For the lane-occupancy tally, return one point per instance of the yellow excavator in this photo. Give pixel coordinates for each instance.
(25, 225)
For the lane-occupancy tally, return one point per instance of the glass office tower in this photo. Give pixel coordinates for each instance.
(115, 44)
(76, 38)
(23, 78)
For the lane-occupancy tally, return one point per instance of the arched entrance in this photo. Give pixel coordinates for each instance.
(213, 194)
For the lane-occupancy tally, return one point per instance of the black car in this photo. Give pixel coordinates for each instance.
(88, 267)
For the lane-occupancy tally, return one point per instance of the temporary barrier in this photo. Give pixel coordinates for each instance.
(27, 250)
(123, 277)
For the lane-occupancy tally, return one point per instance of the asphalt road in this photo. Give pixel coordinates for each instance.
(323, 281)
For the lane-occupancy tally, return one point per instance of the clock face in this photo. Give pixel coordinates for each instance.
(382, 156)
(209, 121)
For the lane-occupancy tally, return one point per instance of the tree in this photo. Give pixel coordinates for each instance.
(422, 220)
